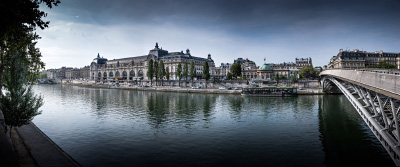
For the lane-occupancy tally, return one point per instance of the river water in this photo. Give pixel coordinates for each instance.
(109, 127)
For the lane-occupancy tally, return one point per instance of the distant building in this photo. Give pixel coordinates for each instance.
(246, 64)
(225, 68)
(72, 73)
(51, 73)
(303, 62)
(84, 72)
(267, 70)
(135, 68)
(347, 59)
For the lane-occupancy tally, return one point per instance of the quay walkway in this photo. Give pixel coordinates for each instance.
(29, 146)
(42, 149)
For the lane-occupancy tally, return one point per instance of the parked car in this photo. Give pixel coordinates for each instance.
(222, 88)
(236, 88)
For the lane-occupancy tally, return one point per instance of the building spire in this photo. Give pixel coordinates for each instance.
(156, 44)
(98, 55)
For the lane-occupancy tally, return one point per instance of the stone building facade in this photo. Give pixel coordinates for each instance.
(135, 68)
(347, 59)
(303, 62)
(84, 72)
(72, 73)
(268, 70)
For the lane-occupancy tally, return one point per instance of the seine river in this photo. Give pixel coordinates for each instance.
(108, 127)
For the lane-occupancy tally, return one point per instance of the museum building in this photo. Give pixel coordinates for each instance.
(135, 68)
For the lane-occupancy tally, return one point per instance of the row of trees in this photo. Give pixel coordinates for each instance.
(157, 70)
(383, 65)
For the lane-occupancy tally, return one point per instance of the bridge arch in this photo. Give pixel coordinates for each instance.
(381, 113)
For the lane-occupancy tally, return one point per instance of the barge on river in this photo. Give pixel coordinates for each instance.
(270, 91)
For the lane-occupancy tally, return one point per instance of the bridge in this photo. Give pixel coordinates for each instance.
(375, 94)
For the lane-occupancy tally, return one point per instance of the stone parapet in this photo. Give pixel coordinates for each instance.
(382, 80)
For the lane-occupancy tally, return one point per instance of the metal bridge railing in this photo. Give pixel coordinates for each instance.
(380, 113)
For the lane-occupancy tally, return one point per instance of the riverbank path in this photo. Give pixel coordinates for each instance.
(43, 150)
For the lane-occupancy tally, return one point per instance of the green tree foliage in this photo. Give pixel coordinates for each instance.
(161, 71)
(278, 78)
(294, 78)
(192, 71)
(307, 72)
(236, 70)
(179, 73)
(320, 68)
(155, 70)
(43, 75)
(185, 72)
(167, 73)
(383, 65)
(18, 102)
(18, 23)
(229, 76)
(206, 72)
(150, 72)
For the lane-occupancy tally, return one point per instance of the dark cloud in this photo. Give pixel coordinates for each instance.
(280, 24)
(241, 16)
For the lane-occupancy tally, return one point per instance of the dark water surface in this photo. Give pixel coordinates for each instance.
(108, 127)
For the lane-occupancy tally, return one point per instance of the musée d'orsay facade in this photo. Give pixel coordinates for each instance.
(135, 68)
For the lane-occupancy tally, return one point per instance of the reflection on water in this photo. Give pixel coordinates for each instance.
(108, 127)
(347, 140)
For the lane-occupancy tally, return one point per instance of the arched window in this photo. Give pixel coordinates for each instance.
(105, 75)
(140, 73)
(117, 74)
(111, 74)
(124, 75)
(132, 73)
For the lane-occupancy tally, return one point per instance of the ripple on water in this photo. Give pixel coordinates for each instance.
(108, 127)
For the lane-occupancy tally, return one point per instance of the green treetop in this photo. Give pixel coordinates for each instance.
(236, 70)
(167, 73)
(18, 102)
(179, 73)
(150, 72)
(206, 72)
(185, 70)
(161, 71)
(155, 70)
(192, 71)
(307, 72)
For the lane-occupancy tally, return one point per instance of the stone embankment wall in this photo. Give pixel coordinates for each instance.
(175, 83)
(379, 80)
(210, 84)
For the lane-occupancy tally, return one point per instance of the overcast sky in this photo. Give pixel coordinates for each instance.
(278, 30)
